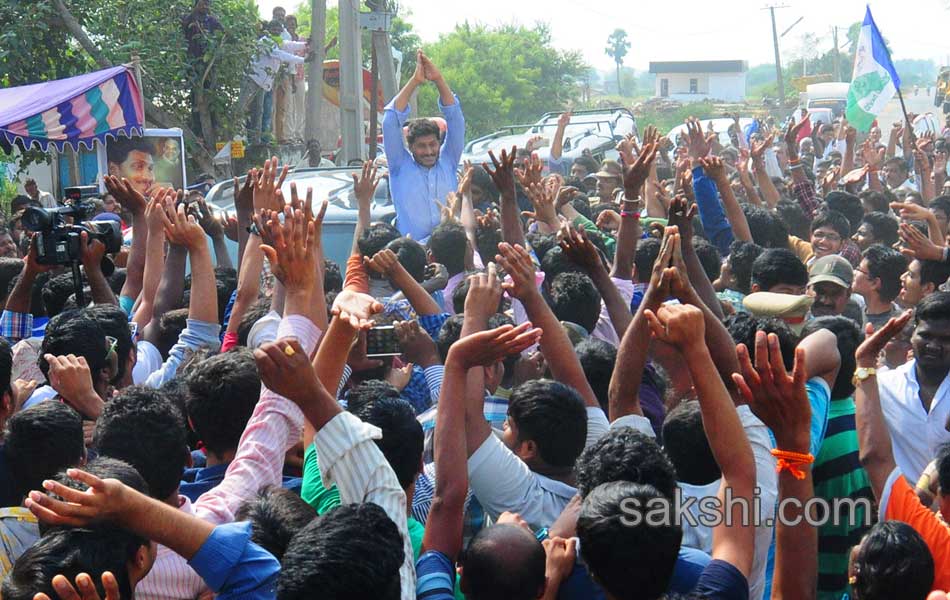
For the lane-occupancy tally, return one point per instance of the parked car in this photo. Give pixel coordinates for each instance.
(595, 130)
(720, 126)
(334, 184)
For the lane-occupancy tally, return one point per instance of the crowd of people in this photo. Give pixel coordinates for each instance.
(700, 371)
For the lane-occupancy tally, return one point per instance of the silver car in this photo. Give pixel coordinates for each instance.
(334, 184)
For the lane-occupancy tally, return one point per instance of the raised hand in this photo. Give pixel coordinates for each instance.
(543, 199)
(465, 181)
(432, 73)
(419, 75)
(791, 134)
(517, 263)
(244, 193)
(626, 149)
(208, 221)
(503, 173)
(104, 500)
(183, 229)
(917, 245)
(758, 148)
(452, 206)
(533, 166)
(579, 249)
(873, 344)
(855, 176)
(561, 554)
(911, 212)
(417, 346)
(564, 119)
(127, 196)
(873, 157)
(356, 307)
(269, 182)
(385, 262)
(364, 184)
(91, 252)
(486, 348)
(399, 377)
(484, 294)
(697, 144)
(636, 173)
(294, 250)
(84, 588)
(776, 396)
(286, 370)
(71, 377)
(608, 220)
(680, 325)
(715, 169)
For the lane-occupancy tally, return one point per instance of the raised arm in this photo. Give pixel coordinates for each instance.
(215, 230)
(503, 175)
(386, 263)
(248, 282)
(634, 176)
(683, 327)
(682, 218)
(154, 261)
(767, 188)
(183, 230)
(92, 252)
(876, 454)
(557, 143)
(364, 186)
(556, 346)
(780, 401)
(716, 170)
(170, 289)
(131, 200)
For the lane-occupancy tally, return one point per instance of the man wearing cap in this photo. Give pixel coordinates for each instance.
(609, 180)
(829, 283)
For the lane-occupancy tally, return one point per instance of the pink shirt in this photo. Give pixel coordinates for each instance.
(275, 426)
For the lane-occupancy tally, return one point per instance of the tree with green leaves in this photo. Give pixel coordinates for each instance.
(617, 47)
(503, 75)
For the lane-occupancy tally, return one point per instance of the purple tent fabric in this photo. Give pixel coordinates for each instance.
(76, 111)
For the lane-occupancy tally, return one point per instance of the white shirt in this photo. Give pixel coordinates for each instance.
(604, 329)
(915, 434)
(502, 482)
(268, 60)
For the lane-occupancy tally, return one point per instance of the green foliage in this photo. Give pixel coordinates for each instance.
(760, 74)
(617, 46)
(668, 119)
(504, 75)
(916, 72)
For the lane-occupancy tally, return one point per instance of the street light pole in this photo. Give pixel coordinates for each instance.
(778, 58)
(318, 35)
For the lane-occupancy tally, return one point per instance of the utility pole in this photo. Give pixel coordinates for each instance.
(351, 81)
(778, 58)
(318, 35)
(837, 55)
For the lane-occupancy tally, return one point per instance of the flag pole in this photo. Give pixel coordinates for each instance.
(910, 128)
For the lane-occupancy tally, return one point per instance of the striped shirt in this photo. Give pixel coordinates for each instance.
(275, 426)
(838, 474)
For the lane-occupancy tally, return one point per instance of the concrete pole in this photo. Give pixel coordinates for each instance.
(778, 59)
(351, 82)
(318, 36)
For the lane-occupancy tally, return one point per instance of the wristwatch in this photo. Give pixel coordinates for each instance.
(862, 373)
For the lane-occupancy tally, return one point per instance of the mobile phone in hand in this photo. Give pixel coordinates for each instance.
(382, 341)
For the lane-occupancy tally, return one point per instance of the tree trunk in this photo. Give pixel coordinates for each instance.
(619, 89)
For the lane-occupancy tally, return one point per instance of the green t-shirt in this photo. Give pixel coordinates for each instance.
(322, 499)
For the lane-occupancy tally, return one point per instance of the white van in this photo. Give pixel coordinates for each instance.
(832, 95)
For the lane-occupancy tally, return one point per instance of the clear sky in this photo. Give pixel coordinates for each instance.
(691, 29)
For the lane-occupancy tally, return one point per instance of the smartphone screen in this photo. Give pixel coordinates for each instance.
(382, 341)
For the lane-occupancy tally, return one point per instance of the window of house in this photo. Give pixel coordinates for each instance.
(693, 86)
(664, 87)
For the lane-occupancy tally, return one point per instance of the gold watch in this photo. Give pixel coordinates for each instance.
(862, 373)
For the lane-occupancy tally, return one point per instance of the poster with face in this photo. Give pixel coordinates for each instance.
(151, 161)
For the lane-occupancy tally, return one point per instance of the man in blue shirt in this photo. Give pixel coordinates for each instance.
(427, 171)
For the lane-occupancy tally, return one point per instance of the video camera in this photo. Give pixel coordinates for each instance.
(57, 242)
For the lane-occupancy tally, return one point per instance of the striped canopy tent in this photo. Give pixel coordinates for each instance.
(73, 112)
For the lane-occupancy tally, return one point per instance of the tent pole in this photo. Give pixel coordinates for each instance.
(137, 72)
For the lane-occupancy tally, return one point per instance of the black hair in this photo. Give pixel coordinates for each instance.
(685, 442)
(778, 265)
(793, 216)
(848, 205)
(897, 162)
(422, 127)
(10, 269)
(835, 220)
(375, 237)
(556, 262)
(448, 244)
(582, 205)
(625, 454)
(743, 326)
(540, 243)
(332, 276)
(222, 393)
(481, 179)
(449, 333)
(574, 297)
(553, 416)
(75, 332)
(142, 427)
(37, 303)
(849, 337)
(709, 257)
(118, 149)
(589, 163)
(40, 441)
(460, 293)
(117, 281)
(893, 561)
(933, 271)
(741, 256)
(55, 292)
(276, 514)
(368, 392)
(353, 551)
(768, 230)
(497, 320)
(6, 366)
(941, 203)
(487, 240)
(402, 439)
(170, 326)
(115, 323)
(935, 307)
(70, 551)
(647, 252)
(504, 562)
(630, 558)
(254, 314)
(411, 255)
(883, 227)
(875, 200)
(225, 280)
(943, 468)
(600, 207)
(886, 264)
(597, 358)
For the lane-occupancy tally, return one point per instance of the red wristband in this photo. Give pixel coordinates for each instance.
(629, 215)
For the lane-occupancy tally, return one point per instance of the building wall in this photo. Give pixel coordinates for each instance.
(716, 86)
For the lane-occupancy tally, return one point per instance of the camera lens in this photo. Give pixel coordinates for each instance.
(36, 219)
